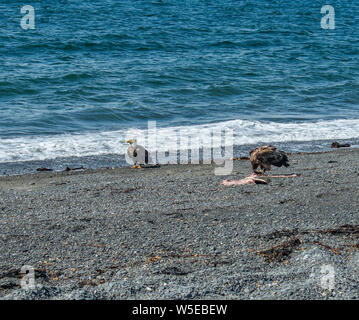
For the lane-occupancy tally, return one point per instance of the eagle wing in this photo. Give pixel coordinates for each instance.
(142, 155)
(261, 153)
(132, 153)
(268, 155)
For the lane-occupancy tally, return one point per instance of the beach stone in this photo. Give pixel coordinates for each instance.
(183, 236)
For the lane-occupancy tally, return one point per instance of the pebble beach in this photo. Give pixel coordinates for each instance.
(175, 232)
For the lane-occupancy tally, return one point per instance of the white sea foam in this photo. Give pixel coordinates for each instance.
(245, 132)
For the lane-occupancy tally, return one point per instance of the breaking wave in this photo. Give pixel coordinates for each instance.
(245, 132)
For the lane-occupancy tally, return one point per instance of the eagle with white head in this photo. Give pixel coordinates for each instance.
(138, 154)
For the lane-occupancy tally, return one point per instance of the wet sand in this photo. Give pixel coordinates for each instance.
(175, 232)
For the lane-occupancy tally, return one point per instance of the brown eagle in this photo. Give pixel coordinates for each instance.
(266, 156)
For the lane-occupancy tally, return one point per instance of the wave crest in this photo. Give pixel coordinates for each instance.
(245, 132)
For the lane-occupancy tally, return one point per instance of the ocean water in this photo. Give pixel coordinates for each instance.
(93, 73)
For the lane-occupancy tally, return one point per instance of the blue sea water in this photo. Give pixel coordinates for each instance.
(91, 72)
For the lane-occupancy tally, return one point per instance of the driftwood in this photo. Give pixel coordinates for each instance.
(336, 144)
(72, 169)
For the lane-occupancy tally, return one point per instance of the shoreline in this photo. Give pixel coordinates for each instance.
(175, 232)
(119, 161)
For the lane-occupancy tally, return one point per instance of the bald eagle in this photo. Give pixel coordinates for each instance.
(138, 154)
(265, 157)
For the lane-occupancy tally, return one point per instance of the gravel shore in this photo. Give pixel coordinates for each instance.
(175, 232)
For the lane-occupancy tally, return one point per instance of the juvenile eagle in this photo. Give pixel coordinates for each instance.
(138, 154)
(265, 156)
